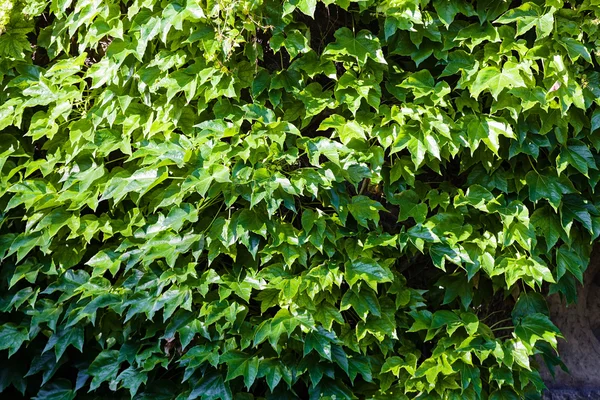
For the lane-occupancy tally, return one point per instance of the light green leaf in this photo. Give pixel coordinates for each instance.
(360, 47)
(527, 16)
(495, 80)
(368, 270)
(364, 209)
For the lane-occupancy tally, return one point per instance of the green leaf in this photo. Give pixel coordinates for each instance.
(542, 186)
(548, 224)
(306, 6)
(448, 9)
(241, 364)
(58, 390)
(576, 154)
(534, 327)
(364, 302)
(364, 209)
(315, 100)
(139, 182)
(64, 337)
(12, 337)
(104, 368)
(529, 303)
(321, 341)
(575, 208)
(394, 364)
(273, 371)
(527, 16)
(531, 270)
(504, 394)
(360, 47)
(327, 314)
(421, 83)
(268, 298)
(14, 45)
(368, 270)
(282, 322)
(132, 379)
(575, 49)
(569, 260)
(495, 80)
(446, 319)
(211, 387)
(346, 130)
(411, 206)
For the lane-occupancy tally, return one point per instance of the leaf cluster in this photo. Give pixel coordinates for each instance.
(266, 199)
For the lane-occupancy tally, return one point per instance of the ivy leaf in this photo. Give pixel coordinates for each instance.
(421, 83)
(569, 260)
(527, 16)
(448, 9)
(104, 368)
(536, 327)
(306, 6)
(315, 99)
(548, 224)
(132, 379)
(456, 286)
(321, 341)
(241, 364)
(140, 182)
(327, 314)
(504, 394)
(531, 270)
(58, 390)
(575, 49)
(368, 270)
(364, 209)
(527, 304)
(411, 206)
(12, 337)
(448, 319)
(576, 154)
(211, 387)
(295, 42)
(542, 186)
(394, 364)
(364, 302)
(574, 208)
(273, 371)
(496, 80)
(360, 47)
(282, 322)
(63, 338)
(14, 45)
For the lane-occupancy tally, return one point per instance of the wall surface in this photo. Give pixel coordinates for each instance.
(580, 324)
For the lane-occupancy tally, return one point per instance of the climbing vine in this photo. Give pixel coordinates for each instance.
(338, 199)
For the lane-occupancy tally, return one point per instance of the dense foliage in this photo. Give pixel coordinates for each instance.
(223, 199)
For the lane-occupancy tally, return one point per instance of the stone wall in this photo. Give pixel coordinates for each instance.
(580, 351)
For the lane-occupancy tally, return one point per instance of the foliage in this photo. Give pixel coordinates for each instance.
(292, 199)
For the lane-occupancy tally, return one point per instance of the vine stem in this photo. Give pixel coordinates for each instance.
(532, 166)
(499, 322)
